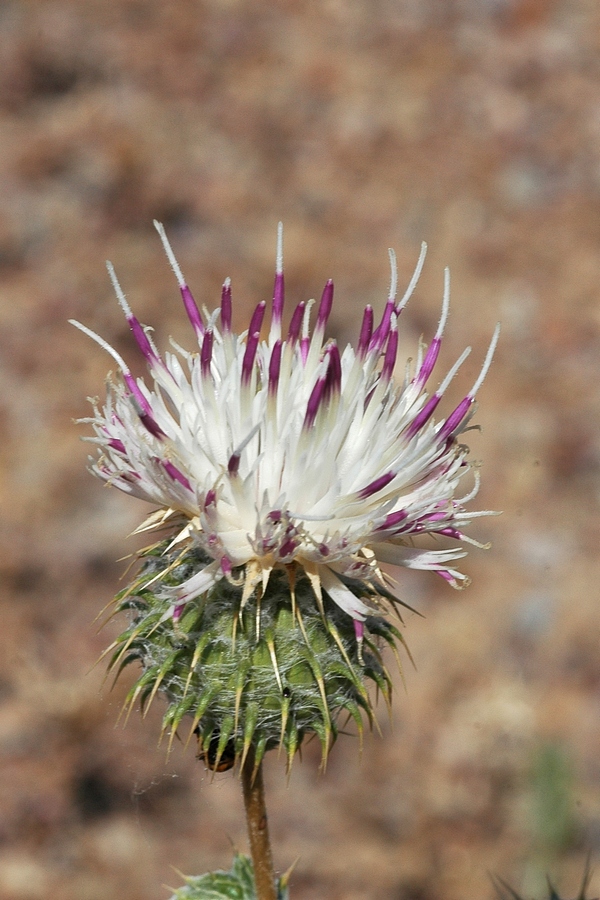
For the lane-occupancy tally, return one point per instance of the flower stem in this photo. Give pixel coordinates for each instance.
(258, 829)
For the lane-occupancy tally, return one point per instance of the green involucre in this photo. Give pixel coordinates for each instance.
(265, 676)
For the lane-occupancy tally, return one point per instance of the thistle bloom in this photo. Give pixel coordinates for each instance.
(284, 451)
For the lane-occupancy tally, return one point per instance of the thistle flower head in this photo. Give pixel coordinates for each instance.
(286, 473)
(285, 451)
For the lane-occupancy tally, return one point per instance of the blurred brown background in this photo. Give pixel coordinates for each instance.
(362, 124)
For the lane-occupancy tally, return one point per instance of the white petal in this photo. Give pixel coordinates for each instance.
(342, 595)
(197, 584)
(411, 558)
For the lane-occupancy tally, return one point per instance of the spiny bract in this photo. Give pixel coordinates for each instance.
(266, 674)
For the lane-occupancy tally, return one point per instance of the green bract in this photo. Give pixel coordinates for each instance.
(506, 892)
(262, 676)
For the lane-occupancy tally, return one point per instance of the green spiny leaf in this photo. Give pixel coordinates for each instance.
(236, 884)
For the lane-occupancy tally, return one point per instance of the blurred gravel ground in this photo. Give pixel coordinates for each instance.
(362, 124)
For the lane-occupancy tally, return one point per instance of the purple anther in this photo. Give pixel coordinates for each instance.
(429, 361)
(266, 546)
(304, 348)
(451, 532)
(143, 408)
(324, 550)
(288, 548)
(141, 339)
(314, 401)
(177, 611)
(278, 298)
(151, 426)
(296, 323)
(380, 334)
(275, 516)
(234, 464)
(175, 474)
(325, 306)
(210, 499)
(376, 485)
(454, 419)
(446, 575)
(274, 368)
(257, 318)
(369, 396)
(226, 307)
(359, 630)
(366, 331)
(136, 393)
(226, 566)
(130, 476)
(249, 357)
(435, 517)
(193, 313)
(333, 378)
(206, 353)
(116, 444)
(392, 520)
(391, 352)
(423, 416)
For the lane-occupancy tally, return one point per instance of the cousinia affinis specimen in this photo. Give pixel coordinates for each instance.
(285, 473)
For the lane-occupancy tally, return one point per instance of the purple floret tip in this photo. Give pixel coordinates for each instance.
(174, 472)
(376, 485)
(304, 348)
(206, 353)
(314, 401)
(366, 332)
(390, 355)
(380, 334)
(333, 378)
(325, 305)
(249, 357)
(234, 464)
(429, 361)
(455, 418)
(191, 309)
(136, 393)
(141, 339)
(278, 297)
(116, 444)
(226, 306)
(296, 323)
(423, 416)
(393, 519)
(257, 318)
(274, 368)
(151, 426)
(178, 611)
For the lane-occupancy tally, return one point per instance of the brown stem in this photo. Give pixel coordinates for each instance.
(258, 829)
